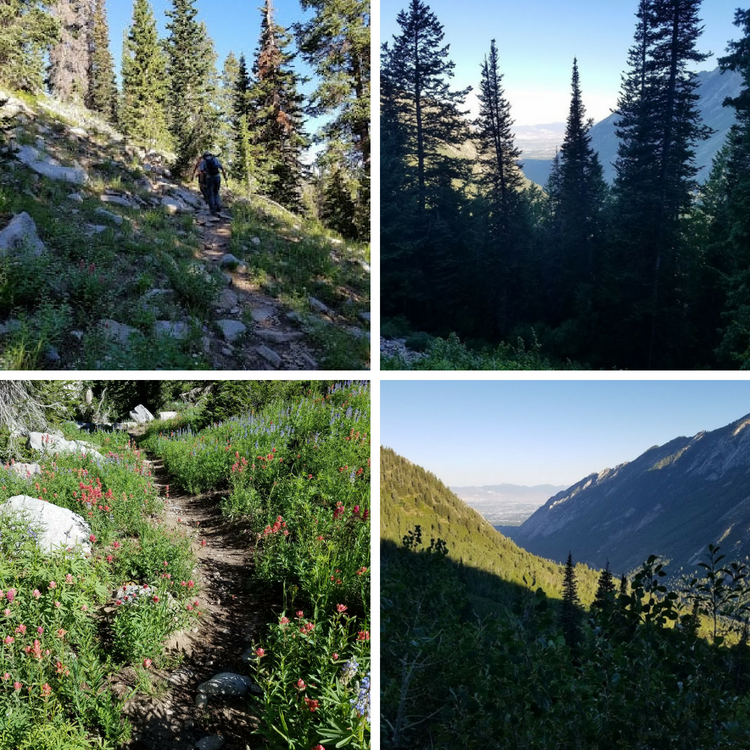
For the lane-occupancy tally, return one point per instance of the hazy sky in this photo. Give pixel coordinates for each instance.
(538, 39)
(539, 432)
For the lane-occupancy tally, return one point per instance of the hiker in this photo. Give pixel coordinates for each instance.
(209, 170)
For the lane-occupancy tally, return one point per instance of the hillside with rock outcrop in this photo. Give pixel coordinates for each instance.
(108, 261)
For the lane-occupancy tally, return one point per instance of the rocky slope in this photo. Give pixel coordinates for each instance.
(672, 501)
(107, 261)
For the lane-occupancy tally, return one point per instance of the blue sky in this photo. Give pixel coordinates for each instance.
(538, 39)
(539, 432)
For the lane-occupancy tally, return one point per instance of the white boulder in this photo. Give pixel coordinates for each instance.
(58, 527)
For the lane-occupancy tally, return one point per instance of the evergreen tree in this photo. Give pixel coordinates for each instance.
(102, 93)
(243, 164)
(502, 182)
(191, 68)
(570, 613)
(225, 99)
(142, 111)
(336, 43)
(658, 127)
(420, 119)
(731, 206)
(69, 58)
(276, 107)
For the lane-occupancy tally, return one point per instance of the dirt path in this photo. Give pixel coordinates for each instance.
(271, 341)
(234, 614)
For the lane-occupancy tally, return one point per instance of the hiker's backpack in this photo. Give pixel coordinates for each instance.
(212, 166)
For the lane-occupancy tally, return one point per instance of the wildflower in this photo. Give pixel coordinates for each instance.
(261, 653)
(362, 702)
(311, 704)
(36, 593)
(341, 608)
(348, 670)
(147, 663)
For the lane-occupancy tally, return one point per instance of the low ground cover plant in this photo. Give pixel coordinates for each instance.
(58, 645)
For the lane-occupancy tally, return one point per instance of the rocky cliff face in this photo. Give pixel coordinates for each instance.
(673, 501)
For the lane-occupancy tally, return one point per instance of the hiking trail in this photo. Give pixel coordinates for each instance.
(232, 617)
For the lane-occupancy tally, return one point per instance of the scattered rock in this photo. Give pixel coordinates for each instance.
(262, 314)
(319, 306)
(226, 683)
(48, 167)
(21, 233)
(116, 218)
(228, 259)
(117, 331)
(228, 299)
(231, 329)
(175, 329)
(117, 200)
(269, 355)
(212, 742)
(58, 527)
(279, 337)
(141, 414)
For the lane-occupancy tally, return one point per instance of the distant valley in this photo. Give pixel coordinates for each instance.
(540, 142)
(506, 504)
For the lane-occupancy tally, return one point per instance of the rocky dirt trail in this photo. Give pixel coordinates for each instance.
(272, 341)
(234, 614)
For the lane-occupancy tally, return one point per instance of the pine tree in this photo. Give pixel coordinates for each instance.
(336, 43)
(191, 68)
(68, 74)
(102, 93)
(502, 182)
(27, 29)
(570, 614)
(731, 211)
(658, 127)
(276, 109)
(579, 201)
(243, 164)
(421, 118)
(142, 111)
(225, 99)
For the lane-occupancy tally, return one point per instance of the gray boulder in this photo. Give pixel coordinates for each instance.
(21, 233)
(58, 527)
(231, 329)
(226, 683)
(48, 167)
(141, 414)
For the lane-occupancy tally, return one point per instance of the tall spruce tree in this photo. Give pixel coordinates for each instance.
(423, 242)
(658, 127)
(570, 614)
(336, 43)
(102, 93)
(144, 91)
(69, 58)
(502, 182)
(191, 68)
(27, 29)
(731, 209)
(578, 205)
(243, 163)
(276, 109)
